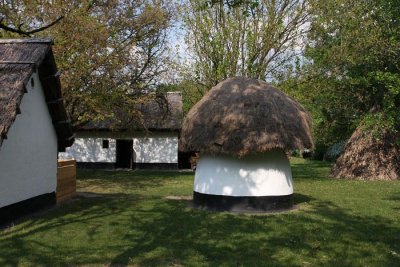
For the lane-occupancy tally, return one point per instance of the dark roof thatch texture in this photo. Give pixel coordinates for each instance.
(19, 58)
(241, 116)
(367, 158)
(161, 113)
(164, 113)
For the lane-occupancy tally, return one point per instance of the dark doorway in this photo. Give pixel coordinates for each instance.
(184, 160)
(124, 154)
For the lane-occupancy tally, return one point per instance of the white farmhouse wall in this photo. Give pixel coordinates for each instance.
(90, 149)
(268, 174)
(28, 157)
(156, 148)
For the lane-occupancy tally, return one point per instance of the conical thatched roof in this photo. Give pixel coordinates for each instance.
(367, 158)
(241, 116)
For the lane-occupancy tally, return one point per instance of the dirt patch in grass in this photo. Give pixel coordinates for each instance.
(188, 198)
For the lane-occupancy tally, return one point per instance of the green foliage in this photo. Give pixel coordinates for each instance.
(388, 112)
(191, 92)
(351, 72)
(109, 52)
(231, 3)
(333, 152)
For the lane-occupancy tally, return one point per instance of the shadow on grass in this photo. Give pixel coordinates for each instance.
(136, 229)
(395, 198)
(139, 175)
(82, 214)
(130, 179)
(300, 199)
(333, 238)
(166, 232)
(310, 169)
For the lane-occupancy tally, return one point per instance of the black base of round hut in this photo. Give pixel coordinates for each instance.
(242, 203)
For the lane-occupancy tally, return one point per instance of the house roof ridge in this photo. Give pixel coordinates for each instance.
(27, 40)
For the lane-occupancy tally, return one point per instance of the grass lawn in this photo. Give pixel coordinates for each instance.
(125, 219)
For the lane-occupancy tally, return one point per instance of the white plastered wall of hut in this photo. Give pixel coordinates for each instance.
(266, 174)
(28, 157)
(159, 148)
(156, 147)
(90, 149)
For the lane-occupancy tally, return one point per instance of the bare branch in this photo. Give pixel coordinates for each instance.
(28, 33)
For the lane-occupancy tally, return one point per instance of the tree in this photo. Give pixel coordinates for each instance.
(29, 32)
(243, 38)
(354, 51)
(13, 18)
(351, 75)
(230, 3)
(191, 92)
(109, 52)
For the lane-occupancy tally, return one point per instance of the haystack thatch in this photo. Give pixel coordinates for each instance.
(241, 116)
(162, 113)
(19, 58)
(366, 158)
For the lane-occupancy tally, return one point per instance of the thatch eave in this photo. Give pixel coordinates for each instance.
(242, 116)
(19, 59)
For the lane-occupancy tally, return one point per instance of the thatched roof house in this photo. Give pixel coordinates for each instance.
(367, 158)
(19, 59)
(33, 125)
(146, 141)
(241, 116)
(242, 128)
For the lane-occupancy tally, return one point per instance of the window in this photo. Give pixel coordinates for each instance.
(106, 143)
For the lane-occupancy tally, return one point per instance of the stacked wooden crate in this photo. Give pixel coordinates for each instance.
(66, 180)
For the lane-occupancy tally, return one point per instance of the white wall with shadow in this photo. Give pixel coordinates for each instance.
(28, 157)
(157, 148)
(91, 150)
(266, 174)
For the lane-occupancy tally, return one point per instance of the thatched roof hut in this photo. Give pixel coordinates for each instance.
(145, 137)
(368, 158)
(242, 127)
(241, 116)
(34, 126)
(19, 58)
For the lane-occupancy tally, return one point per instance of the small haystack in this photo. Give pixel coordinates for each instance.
(367, 158)
(242, 128)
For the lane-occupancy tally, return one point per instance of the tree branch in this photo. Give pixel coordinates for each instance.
(28, 33)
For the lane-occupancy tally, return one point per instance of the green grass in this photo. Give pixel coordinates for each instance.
(128, 221)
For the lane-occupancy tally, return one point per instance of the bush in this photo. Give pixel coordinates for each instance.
(319, 151)
(295, 153)
(333, 152)
(306, 153)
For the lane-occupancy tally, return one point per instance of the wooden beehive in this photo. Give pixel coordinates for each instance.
(66, 180)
